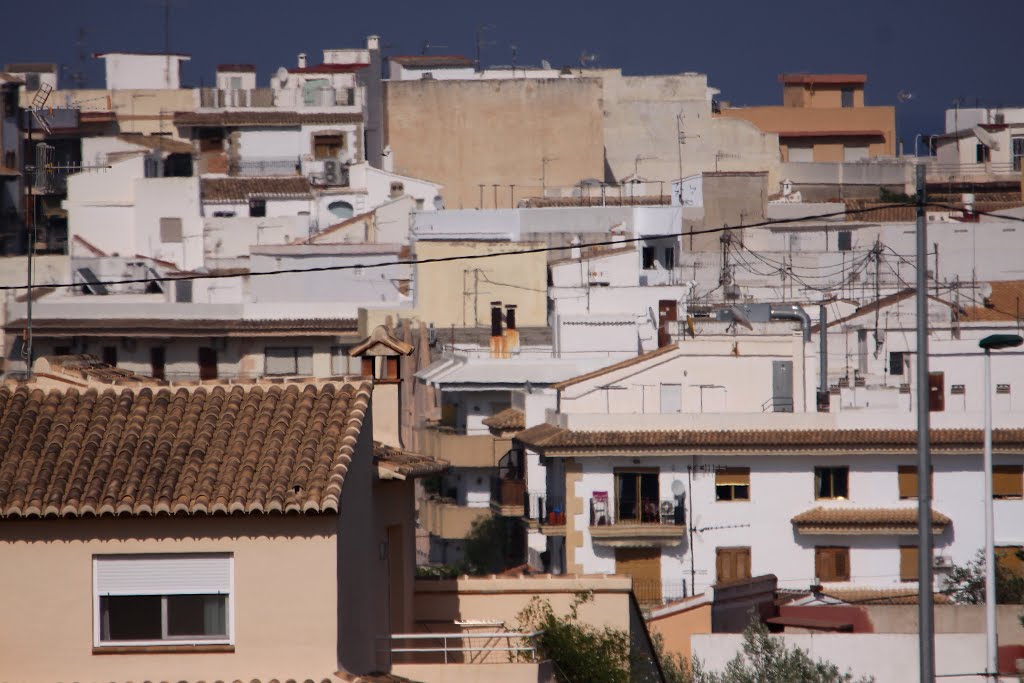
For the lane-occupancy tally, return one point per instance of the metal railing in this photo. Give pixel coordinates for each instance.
(643, 511)
(545, 510)
(941, 171)
(236, 97)
(268, 166)
(778, 404)
(654, 592)
(451, 648)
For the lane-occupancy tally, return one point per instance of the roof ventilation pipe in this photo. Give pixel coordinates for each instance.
(497, 337)
(511, 333)
(792, 312)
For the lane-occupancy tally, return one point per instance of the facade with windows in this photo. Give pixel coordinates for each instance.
(187, 553)
(683, 501)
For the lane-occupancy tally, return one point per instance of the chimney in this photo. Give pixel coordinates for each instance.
(511, 333)
(497, 338)
(302, 60)
(372, 42)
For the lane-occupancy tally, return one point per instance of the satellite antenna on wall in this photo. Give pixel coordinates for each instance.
(588, 58)
(677, 488)
(545, 64)
(904, 96)
(282, 75)
(986, 293)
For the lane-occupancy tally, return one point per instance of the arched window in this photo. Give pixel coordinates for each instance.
(340, 209)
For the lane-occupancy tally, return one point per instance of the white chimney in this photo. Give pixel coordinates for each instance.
(373, 42)
(302, 60)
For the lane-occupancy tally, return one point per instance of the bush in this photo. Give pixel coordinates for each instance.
(965, 584)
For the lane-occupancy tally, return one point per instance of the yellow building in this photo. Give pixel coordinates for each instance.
(823, 118)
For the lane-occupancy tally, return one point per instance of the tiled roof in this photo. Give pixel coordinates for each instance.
(244, 189)
(617, 366)
(822, 79)
(551, 438)
(262, 118)
(508, 420)
(835, 133)
(328, 68)
(878, 596)
(31, 67)
(178, 327)
(840, 519)
(1003, 304)
(396, 463)
(381, 336)
(237, 68)
(432, 61)
(88, 368)
(146, 452)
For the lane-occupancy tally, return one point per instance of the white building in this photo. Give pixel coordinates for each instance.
(143, 71)
(673, 467)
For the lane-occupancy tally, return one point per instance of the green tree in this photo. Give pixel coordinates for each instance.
(965, 584)
(765, 659)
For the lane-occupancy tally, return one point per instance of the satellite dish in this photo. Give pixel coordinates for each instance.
(904, 96)
(986, 290)
(740, 317)
(677, 488)
(282, 75)
(545, 64)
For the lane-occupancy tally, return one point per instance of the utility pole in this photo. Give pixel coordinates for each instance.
(925, 598)
(30, 229)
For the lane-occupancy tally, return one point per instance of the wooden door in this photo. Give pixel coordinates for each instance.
(644, 566)
(668, 311)
(207, 363)
(832, 563)
(936, 392)
(732, 564)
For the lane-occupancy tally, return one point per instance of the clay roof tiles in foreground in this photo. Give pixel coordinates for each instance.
(508, 420)
(151, 451)
(552, 439)
(183, 327)
(396, 463)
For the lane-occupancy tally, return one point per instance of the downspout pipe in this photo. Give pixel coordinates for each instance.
(793, 312)
(823, 395)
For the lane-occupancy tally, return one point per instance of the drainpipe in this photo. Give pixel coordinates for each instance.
(511, 333)
(793, 312)
(497, 339)
(823, 395)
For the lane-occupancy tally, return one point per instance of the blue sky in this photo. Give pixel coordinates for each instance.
(939, 50)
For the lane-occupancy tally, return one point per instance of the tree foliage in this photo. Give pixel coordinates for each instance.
(965, 584)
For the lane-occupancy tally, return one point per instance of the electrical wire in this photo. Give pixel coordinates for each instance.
(444, 259)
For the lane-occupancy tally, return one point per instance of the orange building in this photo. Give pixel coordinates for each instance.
(823, 118)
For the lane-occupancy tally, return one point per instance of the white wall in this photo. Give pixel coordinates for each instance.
(127, 71)
(232, 237)
(888, 657)
(158, 198)
(269, 143)
(101, 207)
(372, 286)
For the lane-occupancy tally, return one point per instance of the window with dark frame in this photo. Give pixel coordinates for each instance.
(110, 355)
(158, 362)
(732, 483)
(896, 362)
(328, 146)
(844, 240)
(636, 495)
(647, 254)
(831, 483)
(257, 208)
(982, 153)
(846, 98)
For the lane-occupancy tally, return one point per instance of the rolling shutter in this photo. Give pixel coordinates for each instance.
(201, 574)
(908, 481)
(1008, 481)
(908, 563)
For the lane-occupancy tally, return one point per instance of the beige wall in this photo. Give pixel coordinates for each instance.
(503, 598)
(676, 629)
(460, 292)
(781, 119)
(949, 619)
(138, 111)
(820, 96)
(284, 601)
(496, 672)
(466, 133)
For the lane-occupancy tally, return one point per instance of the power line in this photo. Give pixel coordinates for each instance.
(443, 259)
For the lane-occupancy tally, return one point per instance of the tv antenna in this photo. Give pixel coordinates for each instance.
(515, 51)
(480, 42)
(427, 45)
(904, 96)
(588, 59)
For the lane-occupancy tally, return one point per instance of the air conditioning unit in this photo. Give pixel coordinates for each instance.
(942, 562)
(332, 172)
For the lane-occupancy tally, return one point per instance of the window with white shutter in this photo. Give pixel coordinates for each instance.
(162, 599)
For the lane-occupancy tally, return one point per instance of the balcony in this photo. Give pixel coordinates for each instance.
(659, 524)
(507, 497)
(266, 166)
(545, 513)
(977, 172)
(212, 98)
(444, 519)
(461, 449)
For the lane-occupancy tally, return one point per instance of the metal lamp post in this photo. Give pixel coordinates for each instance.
(990, 343)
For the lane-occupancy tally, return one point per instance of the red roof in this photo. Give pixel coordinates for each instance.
(831, 134)
(328, 69)
(823, 79)
(247, 68)
(435, 61)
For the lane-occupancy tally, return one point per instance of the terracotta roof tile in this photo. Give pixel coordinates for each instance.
(174, 451)
(432, 61)
(237, 68)
(261, 118)
(508, 420)
(847, 520)
(89, 368)
(636, 360)
(162, 327)
(551, 438)
(243, 189)
(822, 79)
(396, 463)
(877, 596)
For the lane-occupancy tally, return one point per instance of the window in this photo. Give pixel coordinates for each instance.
(31, 82)
(110, 355)
(1008, 481)
(162, 599)
(342, 363)
(207, 362)
(832, 563)
(907, 478)
(157, 362)
(288, 360)
(732, 483)
(328, 146)
(340, 209)
(170, 230)
(846, 98)
(647, 253)
(235, 82)
(62, 350)
(936, 392)
(1017, 151)
(982, 153)
(853, 153)
(845, 240)
(831, 482)
(732, 564)
(801, 153)
(11, 160)
(670, 258)
(908, 562)
(257, 208)
(896, 362)
(636, 496)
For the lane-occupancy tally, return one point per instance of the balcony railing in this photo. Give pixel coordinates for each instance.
(938, 172)
(489, 647)
(213, 98)
(654, 593)
(267, 166)
(651, 522)
(508, 496)
(545, 511)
